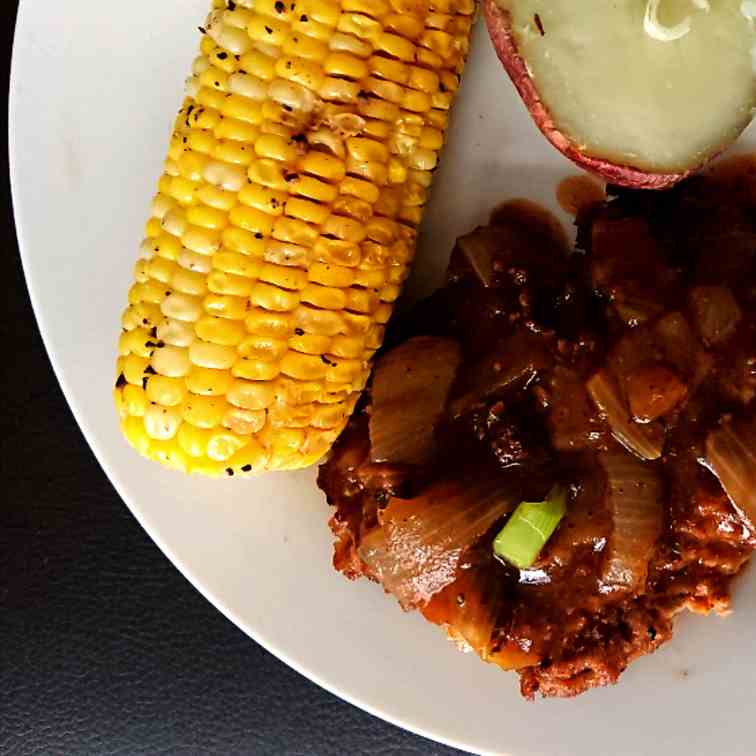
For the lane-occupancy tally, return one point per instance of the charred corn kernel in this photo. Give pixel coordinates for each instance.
(284, 226)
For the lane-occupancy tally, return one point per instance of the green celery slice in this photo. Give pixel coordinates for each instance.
(530, 526)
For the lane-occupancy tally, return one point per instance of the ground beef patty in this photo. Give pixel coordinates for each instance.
(606, 370)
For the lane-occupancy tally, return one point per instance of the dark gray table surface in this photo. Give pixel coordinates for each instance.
(104, 647)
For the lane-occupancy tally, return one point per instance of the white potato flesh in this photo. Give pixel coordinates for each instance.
(628, 91)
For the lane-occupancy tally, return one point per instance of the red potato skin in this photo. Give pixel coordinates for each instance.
(499, 29)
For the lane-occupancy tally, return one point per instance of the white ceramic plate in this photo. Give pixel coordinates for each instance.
(94, 90)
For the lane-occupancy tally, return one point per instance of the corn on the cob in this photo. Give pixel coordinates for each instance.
(284, 225)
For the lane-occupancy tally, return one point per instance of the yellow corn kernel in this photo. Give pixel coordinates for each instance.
(323, 166)
(175, 332)
(223, 444)
(238, 131)
(250, 219)
(254, 370)
(312, 320)
(275, 325)
(161, 423)
(310, 344)
(324, 297)
(405, 25)
(236, 263)
(134, 400)
(359, 25)
(189, 282)
(226, 306)
(244, 422)
(216, 198)
(209, 355)
(220, 282)
(302, 45)
(268, 30)
(242, 109)
(276, 147)
(330, 415)
(344, 64)
(337, 251)
(331, 275)
(252, 458)
(244, 241)
(203, 411)
(370, 279)
(251, 395)
(168, 392)
(295, 231)
(282, 415)
(132, 366)
(135, 433)
(208, 382)
(263, 199)
(283, 445)
(272, 298)
(290, 391)
(312, 188)
(167, 246)
(350, 347)
(304, 367)
(193, 440)
(220, 330)
(388, 68)
(346, 229)
(363, 190)
(339, 90)
(307, 211)
(361, 300)
(283, 276)
(354, 208)
(341, 370)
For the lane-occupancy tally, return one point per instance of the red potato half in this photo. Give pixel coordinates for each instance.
(640, 92)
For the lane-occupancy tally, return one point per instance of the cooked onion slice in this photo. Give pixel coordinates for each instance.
(634, 493)
(647, 441)
(731, 456)
(469, 609)
(410, 387)
(417, 549)
(476, 251)
(715, 312)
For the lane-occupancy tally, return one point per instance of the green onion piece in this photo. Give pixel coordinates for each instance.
(532, 524)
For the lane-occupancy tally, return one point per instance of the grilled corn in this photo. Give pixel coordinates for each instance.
(284, 226)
